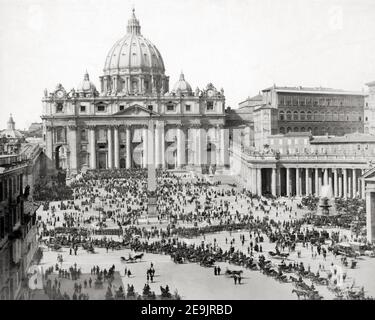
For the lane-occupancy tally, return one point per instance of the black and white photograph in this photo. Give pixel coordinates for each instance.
(171, 150)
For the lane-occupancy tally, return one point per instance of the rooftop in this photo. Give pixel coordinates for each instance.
(314, 90)
(348, 138)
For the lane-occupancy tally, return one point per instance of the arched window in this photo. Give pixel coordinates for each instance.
(309, 115)
(289, 129)
(328, 116)
(303, 129)
(316, 116)
(281, 116)
(282, 130)
(309, 129)
(288, 115)
(295, 115)
(302, 115)
(296, 129)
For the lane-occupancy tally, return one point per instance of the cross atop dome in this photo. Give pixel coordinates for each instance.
(133, 24)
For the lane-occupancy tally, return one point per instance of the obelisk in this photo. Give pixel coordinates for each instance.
(151, 171)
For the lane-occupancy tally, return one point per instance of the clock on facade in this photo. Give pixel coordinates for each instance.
(210, 93)
(60, 94)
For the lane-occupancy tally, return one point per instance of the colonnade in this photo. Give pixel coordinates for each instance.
(292, 181)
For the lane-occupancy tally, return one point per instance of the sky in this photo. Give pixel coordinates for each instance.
(242, 46)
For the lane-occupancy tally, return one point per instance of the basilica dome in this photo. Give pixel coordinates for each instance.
(133, 52)
(182, 86)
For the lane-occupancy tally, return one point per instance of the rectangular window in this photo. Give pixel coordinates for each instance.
(59, 108)
(101, 108)
(187, 108)
(210, 105)
(83, 108)
(122, 108)
(170, 107)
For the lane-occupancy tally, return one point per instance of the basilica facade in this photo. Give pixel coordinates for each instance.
(108, 128)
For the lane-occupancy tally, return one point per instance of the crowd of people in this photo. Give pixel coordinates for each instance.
(110, 203)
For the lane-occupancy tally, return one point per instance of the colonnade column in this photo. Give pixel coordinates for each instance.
(273, 182)
(345, 180)
(110, 148)
(116, 147)
(316, 182)
(307, 181)
(335, 187)
(363, 186)
(92, 147)
(128, 148)
(340, 185)
(287, 182)
(354, 182)
(298, 183)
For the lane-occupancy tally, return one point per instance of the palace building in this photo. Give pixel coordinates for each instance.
(88, 129)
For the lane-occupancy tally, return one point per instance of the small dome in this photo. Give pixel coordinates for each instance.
(86, 85)
(11, 131)
(182, 86)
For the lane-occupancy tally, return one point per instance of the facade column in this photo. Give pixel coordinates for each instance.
(128, 147)
(92, 148)
(298, 183)
(72, 142)
(340, 185)
(253, 180)
(307, 181)
(116, 147)
(354, 182)
(145, 147)
(335, 187)
(110, 148)
(259, 181)
(157, 146)
(162, 151)
(316, 182)
(288, 182)
(180, 146)
(345, 181)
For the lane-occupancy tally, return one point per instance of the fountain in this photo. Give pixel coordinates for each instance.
(326, 206)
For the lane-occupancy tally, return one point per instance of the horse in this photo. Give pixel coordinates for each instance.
(299, 293)
(233, 272)
(138, 257)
